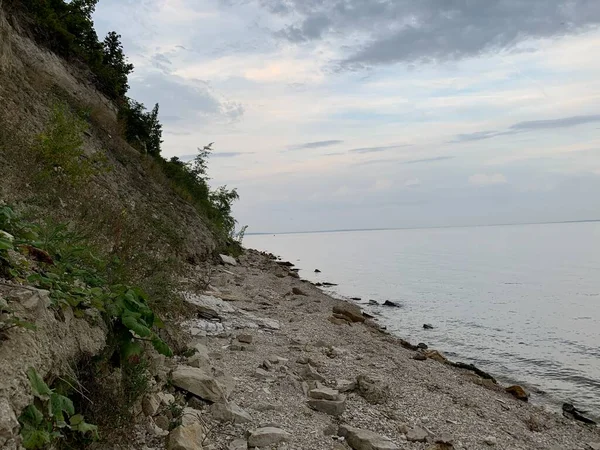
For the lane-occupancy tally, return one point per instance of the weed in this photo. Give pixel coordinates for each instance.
(44, 421)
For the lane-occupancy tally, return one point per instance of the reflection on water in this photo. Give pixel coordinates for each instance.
(520, 301)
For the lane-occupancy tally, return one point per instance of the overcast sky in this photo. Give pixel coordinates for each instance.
(330, 114)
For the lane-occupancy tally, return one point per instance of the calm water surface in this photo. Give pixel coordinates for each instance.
(519, 301)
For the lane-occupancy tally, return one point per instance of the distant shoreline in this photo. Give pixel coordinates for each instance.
(346, 230)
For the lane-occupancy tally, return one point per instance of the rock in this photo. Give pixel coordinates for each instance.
(245, 338)
(229, 412)
(228, 260)
(317, 271)
(238, 444)
(593, 446)
(298, 291)
(261, 373)
(165, 398)
(436, 356)
(242, 348)
(391, 304)
(422, 346)
(332, 407)
(190, 416)
(356, 299)
(310, 373)
(345, 385)
(373, 391)
(427, 327)
(570, 412)
(417, 434)
(201, 383)
(268, 436)
(200, 358)
(9, 425)
(150, 404)
(324, 393)
(330, 430)
(444, 439)
(267, 365)
(373, 303)
(518, 392)
(490, 440)
(188, 437)
(162, 422)
(360, 439)
(350, 311)
(338, 321)
(419, 357)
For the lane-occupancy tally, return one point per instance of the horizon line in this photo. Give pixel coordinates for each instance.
(345, 230)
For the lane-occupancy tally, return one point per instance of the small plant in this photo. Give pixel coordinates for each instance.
(50, 417)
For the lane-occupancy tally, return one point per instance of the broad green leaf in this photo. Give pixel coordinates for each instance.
(130, 349)
(59, 404)
(5, 244)
(84, 427)
(158, 323)
(34, 438)
(132, 324)
(38, 386)
(76, 419)
(161, 347)
(31, 416)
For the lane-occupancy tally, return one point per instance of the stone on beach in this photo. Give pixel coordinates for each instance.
(360, 439)
(229, 412)
(350, 311)
(268, 436)
(518, 392)
(331, 407)
(201, 383)
(324, 393)
(228, 260)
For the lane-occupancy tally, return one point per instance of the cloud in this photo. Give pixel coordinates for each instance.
(376, 149)
(532, 125)
(182, 98)
(318, 144)
(229, 154)
(414, 182)
(482, 179)
(428, 160)
(407, 30)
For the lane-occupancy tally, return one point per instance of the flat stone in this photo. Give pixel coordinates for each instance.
(201, 383)
(417, 434)
(150, 404)
(345, 385)
(228, 260)
(350, 311)
(238, 444)
(310, 373)
(188, 437)
(229, 412)
(245, 338)
(324, 394)
(261, 373)
(267, 436)
(360, 439)
(332, 407)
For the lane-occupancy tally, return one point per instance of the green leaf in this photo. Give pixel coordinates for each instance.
(131, 323)
(31, 416)
(34, 438)
(161, 347)
(25, 324)
(76, 419)
(130, 349)
(84, 427)
(5, 244)
(38, 386)
(59, 404)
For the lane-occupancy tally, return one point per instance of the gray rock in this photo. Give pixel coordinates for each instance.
(360, 439)
(186, 437)
(332, 407)
(245, 338)
(324, 393)
(228, 260)
(162, 422)
(419, 357)
(372, 390)
(310, 373)
(490, 440)
(267, 436)
(190, 416)
(9, 425)
(238, 444)
(417, 434)
(349, 311)
(150, 404)
(200, 358)
(594, 446)
(201, 383)
(229, 412)
(261, 373)
(345, 385)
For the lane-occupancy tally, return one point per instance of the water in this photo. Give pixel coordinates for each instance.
(521, 301)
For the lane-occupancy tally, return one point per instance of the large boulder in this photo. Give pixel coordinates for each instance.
(350, 311)
(268, 436)
(360, 439)
(201, 383)
(228, 260)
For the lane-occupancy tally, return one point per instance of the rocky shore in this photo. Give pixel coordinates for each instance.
(279, 364)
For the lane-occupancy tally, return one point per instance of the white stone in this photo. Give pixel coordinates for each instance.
(267, 436)
(226, 259)
(186, 437)
(360, 439)
(201, 383)
(229, 412)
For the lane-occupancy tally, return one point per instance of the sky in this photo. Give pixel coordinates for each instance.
(343, 114)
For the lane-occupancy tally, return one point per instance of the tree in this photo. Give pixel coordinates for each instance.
(154, 133)
(116, 67)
